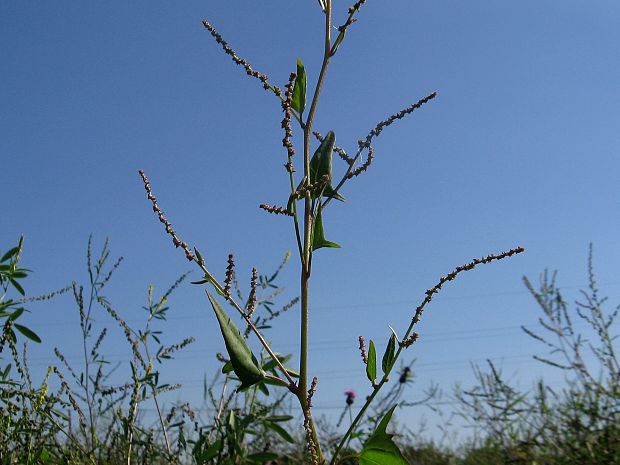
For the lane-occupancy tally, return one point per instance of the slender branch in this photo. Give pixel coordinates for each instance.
(209, 277)
(365, 143)
(409, 338)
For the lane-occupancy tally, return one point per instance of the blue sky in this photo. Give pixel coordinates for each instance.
(520, 148)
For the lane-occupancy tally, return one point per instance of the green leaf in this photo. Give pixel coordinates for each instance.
(10, 253)
(27, 332)
(263, 388)
(270, 364)
(227, 368)
(299, 91)
(321, 165)
(16, 314)
(318, 234)
(388, 355)
(280, 431)
(337, 42)
(198, 255)
(211, 452)
(279, 418)
(379, 448)
(17, 286)
(243, 361)
(371, 366)
(261, 457)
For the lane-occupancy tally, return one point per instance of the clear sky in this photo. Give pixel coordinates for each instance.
(520, 148)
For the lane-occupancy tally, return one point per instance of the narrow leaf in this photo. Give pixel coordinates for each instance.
(388, 355)
(371, 366)
(337, 42)
(280, 431)
(262, 457)
(380, 449)
(17, 286)
(16, 314)
(299, 90)
(28, 333)
(9, 254)
(263, 388)
(243, 361)
(211, 452)
(279, 418)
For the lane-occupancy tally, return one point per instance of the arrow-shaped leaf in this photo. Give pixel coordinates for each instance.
(243, 361)
(379, 448)
(318, 234)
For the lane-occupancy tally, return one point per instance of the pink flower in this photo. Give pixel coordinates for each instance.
(351, 395)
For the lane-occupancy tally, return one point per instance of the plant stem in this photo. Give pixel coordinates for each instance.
(306, 262)
(358, 417)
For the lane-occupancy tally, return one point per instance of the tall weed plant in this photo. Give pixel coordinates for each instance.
(313, 187)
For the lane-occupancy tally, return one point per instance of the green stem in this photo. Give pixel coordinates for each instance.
(306, 262)
(358, 417)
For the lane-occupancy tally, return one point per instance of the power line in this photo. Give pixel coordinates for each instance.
(322, 308)
(332, 344)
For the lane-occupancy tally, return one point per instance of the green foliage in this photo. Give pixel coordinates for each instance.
(242, 359)
(380, 449)
(318, 235)
(388, 355)
(577, 424)
(10, 308)
(321, 168)
(371, 365)
(299, 91)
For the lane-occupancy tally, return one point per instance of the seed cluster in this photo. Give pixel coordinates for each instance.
(230, 271)
(241, 61)
(252, 298)
(275, 210)
(449, 277)
(286, 122)
(338, 150)
(363, 350)
(169, 230)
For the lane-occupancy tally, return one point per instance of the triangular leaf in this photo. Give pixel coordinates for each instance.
(371, 366)
(227, 368)
(243, 361)
(318, 234)
(299, 91)
(379, 448)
